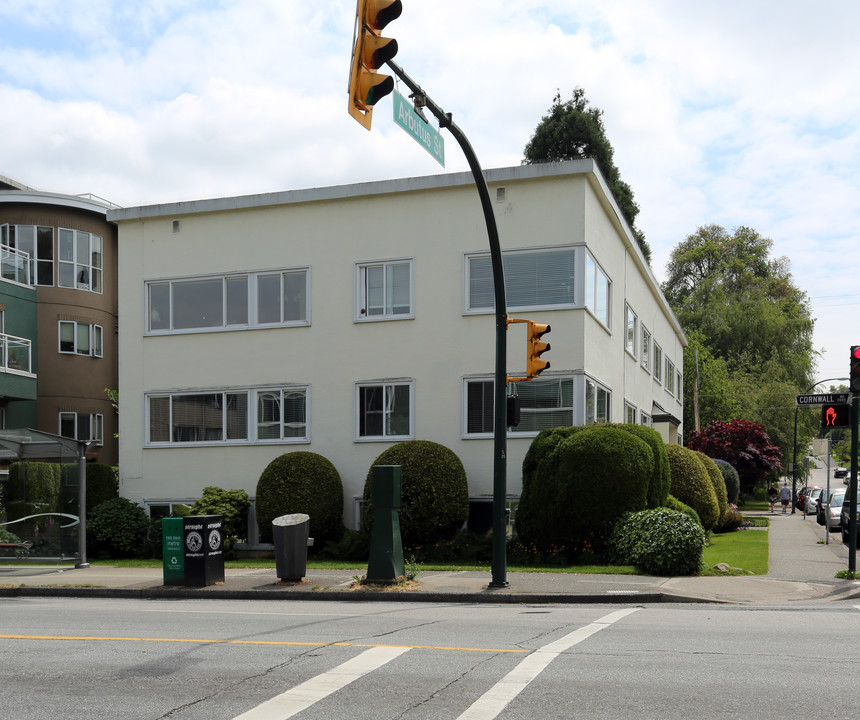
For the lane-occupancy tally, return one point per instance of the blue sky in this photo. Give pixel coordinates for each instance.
(734, 113)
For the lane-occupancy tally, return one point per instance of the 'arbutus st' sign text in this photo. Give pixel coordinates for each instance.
(406, 117)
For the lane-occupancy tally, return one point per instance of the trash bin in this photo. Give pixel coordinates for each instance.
(290, 535)
(193, 550)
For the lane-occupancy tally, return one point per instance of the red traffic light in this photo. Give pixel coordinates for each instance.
(854, 373)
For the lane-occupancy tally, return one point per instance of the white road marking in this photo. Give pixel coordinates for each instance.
(307, 693)
(492, 702)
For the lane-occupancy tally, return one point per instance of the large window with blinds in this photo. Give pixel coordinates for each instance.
(235, 416)
(533, 279)
(544, 403)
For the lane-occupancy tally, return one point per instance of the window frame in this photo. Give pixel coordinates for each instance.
(36, 261)
(388, 306)
(630, 333)
(95, 336)
(471, 308)
(628, 408)
(249, 319)
(488, 384)
(95, 429)
(283, 391)
(658, 363)
(645, 359)
(592, 385)
(593, 274)
(670, 377)
(387, 386)
(251, 426)
(95, 273)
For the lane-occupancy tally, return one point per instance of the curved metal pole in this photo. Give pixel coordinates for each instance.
(499, 563)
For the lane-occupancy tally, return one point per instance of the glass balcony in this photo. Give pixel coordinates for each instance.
(16, 354)
(14, 265)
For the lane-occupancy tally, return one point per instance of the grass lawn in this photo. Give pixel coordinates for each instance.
(745, 550)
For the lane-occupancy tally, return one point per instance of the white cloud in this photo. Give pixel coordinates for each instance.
(736, 113)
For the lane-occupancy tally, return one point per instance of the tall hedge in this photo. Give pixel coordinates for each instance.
(301, 482)
(658, 485)
(731, 478)
(434, 491)
(691, 484)
(580, 480)
(34, 487)
(717, 481)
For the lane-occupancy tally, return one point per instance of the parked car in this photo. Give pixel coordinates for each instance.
(810, 505)
(832, 510)
(840, 472)
(801, 496)
(845, 515)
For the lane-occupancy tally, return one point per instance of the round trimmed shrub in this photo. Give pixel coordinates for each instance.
(691, 484)
(731, 478)
(434, 491)
(674, 504)
(301, 482)
(232, 505)
(584, 482)
(658, 487)
(659, 541)
(717, 481)
(117, 528)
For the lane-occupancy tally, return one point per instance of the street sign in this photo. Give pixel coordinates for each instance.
(420, 130)
(823, 399)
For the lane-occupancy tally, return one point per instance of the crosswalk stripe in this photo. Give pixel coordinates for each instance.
(492, 702)
(311, 691)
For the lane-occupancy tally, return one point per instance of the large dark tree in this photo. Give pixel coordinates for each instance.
(573, 130)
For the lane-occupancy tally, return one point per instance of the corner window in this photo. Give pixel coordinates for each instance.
(385, 291)
(37, 242)
(384, 410)
(596, 403)
(88, 427)
(80, 338)
(533, 279)
(80, 260)
(544, 403)
(596, 290)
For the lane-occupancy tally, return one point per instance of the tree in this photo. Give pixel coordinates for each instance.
(574, 130)
(743, 444)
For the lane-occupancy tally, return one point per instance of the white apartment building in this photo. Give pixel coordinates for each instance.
(341, 320)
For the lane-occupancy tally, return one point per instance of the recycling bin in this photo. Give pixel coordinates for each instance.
(193, 550)
(290, 535)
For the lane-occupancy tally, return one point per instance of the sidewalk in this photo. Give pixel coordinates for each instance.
(801, 570)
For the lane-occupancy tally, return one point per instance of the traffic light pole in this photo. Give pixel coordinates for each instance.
(499, 563)
(852, 487)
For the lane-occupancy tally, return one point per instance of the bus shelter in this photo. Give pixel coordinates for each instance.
(43, 497)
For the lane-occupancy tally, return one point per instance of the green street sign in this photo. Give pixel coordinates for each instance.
(423, 133)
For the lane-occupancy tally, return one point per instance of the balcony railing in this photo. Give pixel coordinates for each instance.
(16, 354)
(14, 265)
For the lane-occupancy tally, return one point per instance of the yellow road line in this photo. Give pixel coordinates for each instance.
(256, 642)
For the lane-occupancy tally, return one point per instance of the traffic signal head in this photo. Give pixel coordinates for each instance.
(854, 374)
(534, 365)
(369, 53)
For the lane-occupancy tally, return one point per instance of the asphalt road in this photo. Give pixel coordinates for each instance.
(105, 658)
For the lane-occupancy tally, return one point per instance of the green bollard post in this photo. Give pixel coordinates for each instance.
(386, 548)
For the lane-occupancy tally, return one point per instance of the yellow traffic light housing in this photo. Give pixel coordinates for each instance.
(534, 365)
(370, 52)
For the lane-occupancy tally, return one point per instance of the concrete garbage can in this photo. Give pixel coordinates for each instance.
(290, 535)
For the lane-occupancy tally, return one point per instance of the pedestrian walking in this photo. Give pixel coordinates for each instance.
(772, 495)
(785, 497)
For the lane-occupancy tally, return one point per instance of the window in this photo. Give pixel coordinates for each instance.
(80, 338)
(278, 298)
(82, 426)
(544, 403)
(646, 350)
(385, 290)
(596, 290)
(678, 380)
(534, 278)
(630, 323)
(282, 414)
(596, 403)
(670, 376)
(629, 413)
(384, 410)
(79, 260)
(644, 419)
(38, 242)
(658, 363)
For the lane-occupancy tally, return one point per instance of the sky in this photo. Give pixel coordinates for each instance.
(733, 113)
